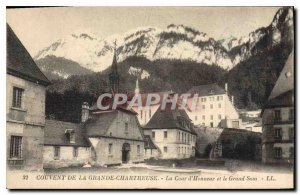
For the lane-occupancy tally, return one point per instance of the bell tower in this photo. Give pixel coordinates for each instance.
(113, 75)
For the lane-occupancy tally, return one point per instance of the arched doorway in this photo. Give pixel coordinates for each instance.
(125, 152)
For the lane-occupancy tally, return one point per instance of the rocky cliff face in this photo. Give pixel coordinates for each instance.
(175, 42)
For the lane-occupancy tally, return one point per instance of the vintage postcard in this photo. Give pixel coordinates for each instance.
(150, 98)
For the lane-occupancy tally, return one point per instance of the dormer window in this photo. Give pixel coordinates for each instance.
(71, 135)
(211, 91)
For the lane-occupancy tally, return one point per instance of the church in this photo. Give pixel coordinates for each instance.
(103, 138)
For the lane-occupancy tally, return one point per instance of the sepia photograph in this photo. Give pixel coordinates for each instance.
(184, 97)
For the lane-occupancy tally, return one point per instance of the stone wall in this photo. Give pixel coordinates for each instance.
(104, 157)
(175, 146)
(152, 153)
(27, 121)
(270, 141)
(66, 158)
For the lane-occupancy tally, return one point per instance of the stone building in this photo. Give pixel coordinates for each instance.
(25, 107)
(278, 119)
(115, 136)
(65, 145)
(214, 107)
(103, 138)
(172, 132)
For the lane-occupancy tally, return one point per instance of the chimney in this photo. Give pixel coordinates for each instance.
(85, 110)
(226, 88)
(232, 100)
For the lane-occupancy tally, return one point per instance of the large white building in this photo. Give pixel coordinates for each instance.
(172, 133)
(214, 107)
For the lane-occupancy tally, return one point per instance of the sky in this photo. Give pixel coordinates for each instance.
(39, 27)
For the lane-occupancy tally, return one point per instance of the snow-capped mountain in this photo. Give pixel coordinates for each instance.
(175, 42)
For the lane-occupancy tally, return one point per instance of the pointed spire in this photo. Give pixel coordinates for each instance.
(114, 76)
(137, 88)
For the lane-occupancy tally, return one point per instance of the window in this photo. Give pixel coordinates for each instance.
(219, 105)
(196, 118)
(149, 113)
(278, 133)
(165, 149)
(291, 114)
(17, 97)
(141, 114)
(277, 152)
(291, 133)
(219, 116)
(151, 151)
(182, 136)
(211, 106)
(211, 117)
(165, 134)
(235, 124)
(220, 98)
(277, 115)
(153, 134)
(126, 128)
(16, 147)
(56, 152)
(75, 152)
(203, 107)
(203, 117)
(211, 124)
(138, 149)
(203, 99)
(110, 148)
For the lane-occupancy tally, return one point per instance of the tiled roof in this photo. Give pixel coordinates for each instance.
(206, 90)
(99, 123)
(55, 134)
(170, 118)
(20, 63)
(149, 143)
(285, 99)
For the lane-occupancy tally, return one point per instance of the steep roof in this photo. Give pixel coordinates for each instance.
(282, 100)
(55, 134)
(206, 90)
(99, 123)
(149, 143)
(285, 81)
(170, 118)
(20, 63)
(282, 93)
